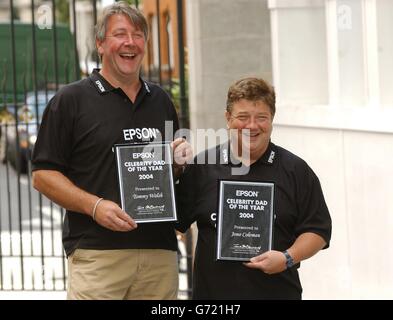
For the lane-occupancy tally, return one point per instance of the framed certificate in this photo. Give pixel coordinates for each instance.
(245, 219)
(146, 181)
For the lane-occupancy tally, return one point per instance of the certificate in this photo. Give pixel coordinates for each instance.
(146, 181)
(245, 219)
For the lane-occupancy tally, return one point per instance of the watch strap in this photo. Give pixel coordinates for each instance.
(289, 260)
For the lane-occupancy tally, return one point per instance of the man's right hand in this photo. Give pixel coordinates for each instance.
(109, 215)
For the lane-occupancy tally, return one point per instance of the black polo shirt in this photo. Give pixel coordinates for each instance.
(299, 207)
(79, 128)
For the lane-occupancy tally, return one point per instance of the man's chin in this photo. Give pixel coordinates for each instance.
(255, 151)
(252, 147)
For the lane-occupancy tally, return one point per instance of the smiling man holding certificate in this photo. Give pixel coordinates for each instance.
(110, 256)
(259, 208)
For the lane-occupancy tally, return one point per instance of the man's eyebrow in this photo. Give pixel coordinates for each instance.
(120, 30)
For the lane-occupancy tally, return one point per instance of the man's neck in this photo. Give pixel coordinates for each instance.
(244, 156)
(130, 85)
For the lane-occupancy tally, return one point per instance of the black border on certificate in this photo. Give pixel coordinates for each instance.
(168, 166)
(221, 218)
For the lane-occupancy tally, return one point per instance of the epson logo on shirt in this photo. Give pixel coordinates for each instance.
(147, 87)
(225, 155)
(271, 157)
(145, 134)
(213, 218)
(100, 86)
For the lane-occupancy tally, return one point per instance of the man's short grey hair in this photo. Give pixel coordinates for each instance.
(121, 7)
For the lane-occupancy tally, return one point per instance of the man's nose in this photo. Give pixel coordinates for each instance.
(130, 39)
(252, 123)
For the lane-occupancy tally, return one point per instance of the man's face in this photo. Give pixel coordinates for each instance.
(251, 123)
(122, 49)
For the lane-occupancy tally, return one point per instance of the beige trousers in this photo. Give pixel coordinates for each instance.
(129, 274)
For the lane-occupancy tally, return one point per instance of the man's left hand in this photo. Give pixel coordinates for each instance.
(269, 262)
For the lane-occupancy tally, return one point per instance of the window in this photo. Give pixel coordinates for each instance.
(332, 64)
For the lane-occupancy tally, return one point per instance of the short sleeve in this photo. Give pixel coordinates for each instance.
(53, 147)
(313, 213)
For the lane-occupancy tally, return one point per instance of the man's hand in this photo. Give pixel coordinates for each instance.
(269, 262)
(109, 215)
(182, 154)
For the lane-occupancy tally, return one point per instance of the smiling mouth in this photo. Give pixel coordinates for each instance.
(251, 134)
(128, 56)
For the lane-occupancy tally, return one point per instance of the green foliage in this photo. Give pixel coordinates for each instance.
(175, 93)
(132, 1)
(63, 11)
(5, 116)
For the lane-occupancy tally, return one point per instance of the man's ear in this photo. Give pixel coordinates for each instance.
(227, 115)
(99, 47)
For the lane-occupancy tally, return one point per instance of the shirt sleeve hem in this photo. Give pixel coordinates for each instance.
(48, 166)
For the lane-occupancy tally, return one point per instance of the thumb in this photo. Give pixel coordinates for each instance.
(176, 142)
(259, 258)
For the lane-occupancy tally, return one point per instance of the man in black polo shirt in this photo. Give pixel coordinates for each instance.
(109, 257)
(302, 224)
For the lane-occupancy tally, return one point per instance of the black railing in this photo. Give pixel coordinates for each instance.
(35, 60)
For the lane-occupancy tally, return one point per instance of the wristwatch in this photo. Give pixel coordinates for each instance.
(290, 263)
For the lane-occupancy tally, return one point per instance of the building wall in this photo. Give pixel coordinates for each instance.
(4, 12)
(353, 169)
(22, 8)
(85, 34)
(329, 64)
(226, 40)
(166, 8)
